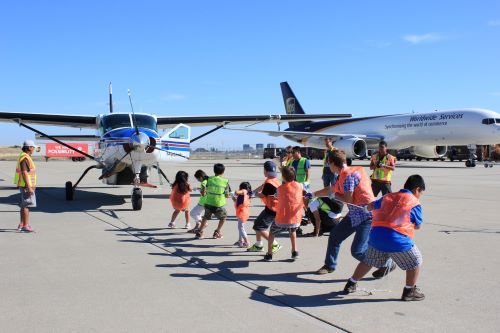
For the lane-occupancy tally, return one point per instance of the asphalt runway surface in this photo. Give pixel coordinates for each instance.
(94, 264)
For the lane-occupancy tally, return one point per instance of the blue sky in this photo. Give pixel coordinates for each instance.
(228, 57)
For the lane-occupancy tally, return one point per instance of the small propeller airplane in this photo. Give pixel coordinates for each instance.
(130, 144)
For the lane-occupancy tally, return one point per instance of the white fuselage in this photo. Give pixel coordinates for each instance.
(439, 128)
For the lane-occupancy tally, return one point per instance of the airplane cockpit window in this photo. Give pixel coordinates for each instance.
(113, 121)
(146, 121)
(489, 121)
(180, 133)
(497, 120)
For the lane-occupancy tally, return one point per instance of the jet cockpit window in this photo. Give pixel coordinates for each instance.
(497, 120)
(180, 133)
(146, 121)
(113, 121)
(489, 121)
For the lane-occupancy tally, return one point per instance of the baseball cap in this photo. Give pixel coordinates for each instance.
(29, 143)
(270, 166)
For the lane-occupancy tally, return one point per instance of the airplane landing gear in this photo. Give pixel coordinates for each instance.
(136, 198)
(471, 161)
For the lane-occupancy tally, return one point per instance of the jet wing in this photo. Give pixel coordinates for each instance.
(301, 136)
(165, 122)
(50, 119)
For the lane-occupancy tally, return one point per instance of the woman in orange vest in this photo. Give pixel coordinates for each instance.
(241, 200)
(25, 179)
(267, 193)
(395, 217)
(180, 198)
(288, 212)
(353, 187)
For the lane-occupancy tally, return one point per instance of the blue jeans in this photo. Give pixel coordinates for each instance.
(329, 178)
(340, 233)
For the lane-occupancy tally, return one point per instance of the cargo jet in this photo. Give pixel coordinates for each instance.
(130, 144)
(424, 134)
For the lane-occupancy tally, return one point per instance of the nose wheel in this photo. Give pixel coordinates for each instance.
(136, 198)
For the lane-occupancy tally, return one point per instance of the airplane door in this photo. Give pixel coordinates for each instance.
(176, 141)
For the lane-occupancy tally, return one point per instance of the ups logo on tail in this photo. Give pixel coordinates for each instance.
(290, 105)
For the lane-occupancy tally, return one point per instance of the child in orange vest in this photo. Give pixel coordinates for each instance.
(241, 200)
(395, 217)
(288, 212)
(180, 198)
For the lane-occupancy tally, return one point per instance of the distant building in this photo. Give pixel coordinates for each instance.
(247, 147)
(271, 145)
(259, 146)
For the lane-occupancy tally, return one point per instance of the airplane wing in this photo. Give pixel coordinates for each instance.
(50, 119)
(165, 122)
(300, 136)
(69, 137)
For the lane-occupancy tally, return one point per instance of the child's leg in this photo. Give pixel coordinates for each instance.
(412, 276)
(243, 233)
(293, 239)
(186, 215)
(270, 241)
(221, 223)
(174, 215)
(361, 270)
(203, 224)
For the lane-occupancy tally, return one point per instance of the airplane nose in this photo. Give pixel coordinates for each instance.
(140, 140)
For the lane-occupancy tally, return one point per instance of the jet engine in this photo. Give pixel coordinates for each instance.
(353, 147)
(428, 151)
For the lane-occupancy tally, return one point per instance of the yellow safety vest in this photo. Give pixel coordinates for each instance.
(18, 178)
(383, 174)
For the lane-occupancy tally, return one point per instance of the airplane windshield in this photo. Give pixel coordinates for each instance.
(146, 121)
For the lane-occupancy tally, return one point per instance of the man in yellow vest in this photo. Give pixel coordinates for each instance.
(382, 164)
(25, 179)
(301, 165)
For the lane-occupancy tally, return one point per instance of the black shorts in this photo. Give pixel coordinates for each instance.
(263, 221)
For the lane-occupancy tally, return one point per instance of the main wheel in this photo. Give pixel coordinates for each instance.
(69, 191)
(136, 199)
(468, 163)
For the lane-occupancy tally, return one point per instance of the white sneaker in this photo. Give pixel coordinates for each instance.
(171, 225)
(187, 226)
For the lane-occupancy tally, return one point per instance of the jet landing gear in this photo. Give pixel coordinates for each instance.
(471, 161)
(70, 188)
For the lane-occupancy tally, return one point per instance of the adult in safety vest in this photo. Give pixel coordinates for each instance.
(395, 217)
(324, 214)
(25, 180)
(353, 187)
(267, 193)
(216, 192)
(329, 178)
(301, 165)
(382, 164)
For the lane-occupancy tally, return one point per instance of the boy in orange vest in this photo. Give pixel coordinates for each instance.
(395, 216)
(288, 212)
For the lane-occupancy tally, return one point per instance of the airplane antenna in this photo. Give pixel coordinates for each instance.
(110, 98)
(133, 114)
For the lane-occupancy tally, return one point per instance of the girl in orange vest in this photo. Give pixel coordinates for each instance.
(180, 198)
(395, 217)
(241, 200)
(288, 212)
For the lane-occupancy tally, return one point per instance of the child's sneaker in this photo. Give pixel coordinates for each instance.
(350, 287)
(243, 244)
(187, 226)
(255, 248)
(20, 227)
(412, 294)
(171, 225)
(237, 243)
(268, 257)
(295, 255)
(276, 247)
(27, 229)
(217, 234)
(193, 231)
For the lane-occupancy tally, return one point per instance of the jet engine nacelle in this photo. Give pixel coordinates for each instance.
(353, 147)
(428, 151)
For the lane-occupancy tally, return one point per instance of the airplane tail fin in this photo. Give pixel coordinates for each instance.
(176, 143)
(292, 105)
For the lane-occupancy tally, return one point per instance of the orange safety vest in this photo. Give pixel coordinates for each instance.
(290, 203)
(383, 174)
(363, 194)
(242, 210)
(395, 212)
(180, 201)
(270, 200)
(18, 177)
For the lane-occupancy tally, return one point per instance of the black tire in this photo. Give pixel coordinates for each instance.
(69, 191)
(468, 163)
(473, 164)
(136, 199)
(419, 158)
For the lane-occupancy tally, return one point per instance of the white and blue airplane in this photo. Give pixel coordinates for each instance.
(130, 144)
(425, 134)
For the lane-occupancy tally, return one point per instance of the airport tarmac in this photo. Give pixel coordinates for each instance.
(94, 264)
